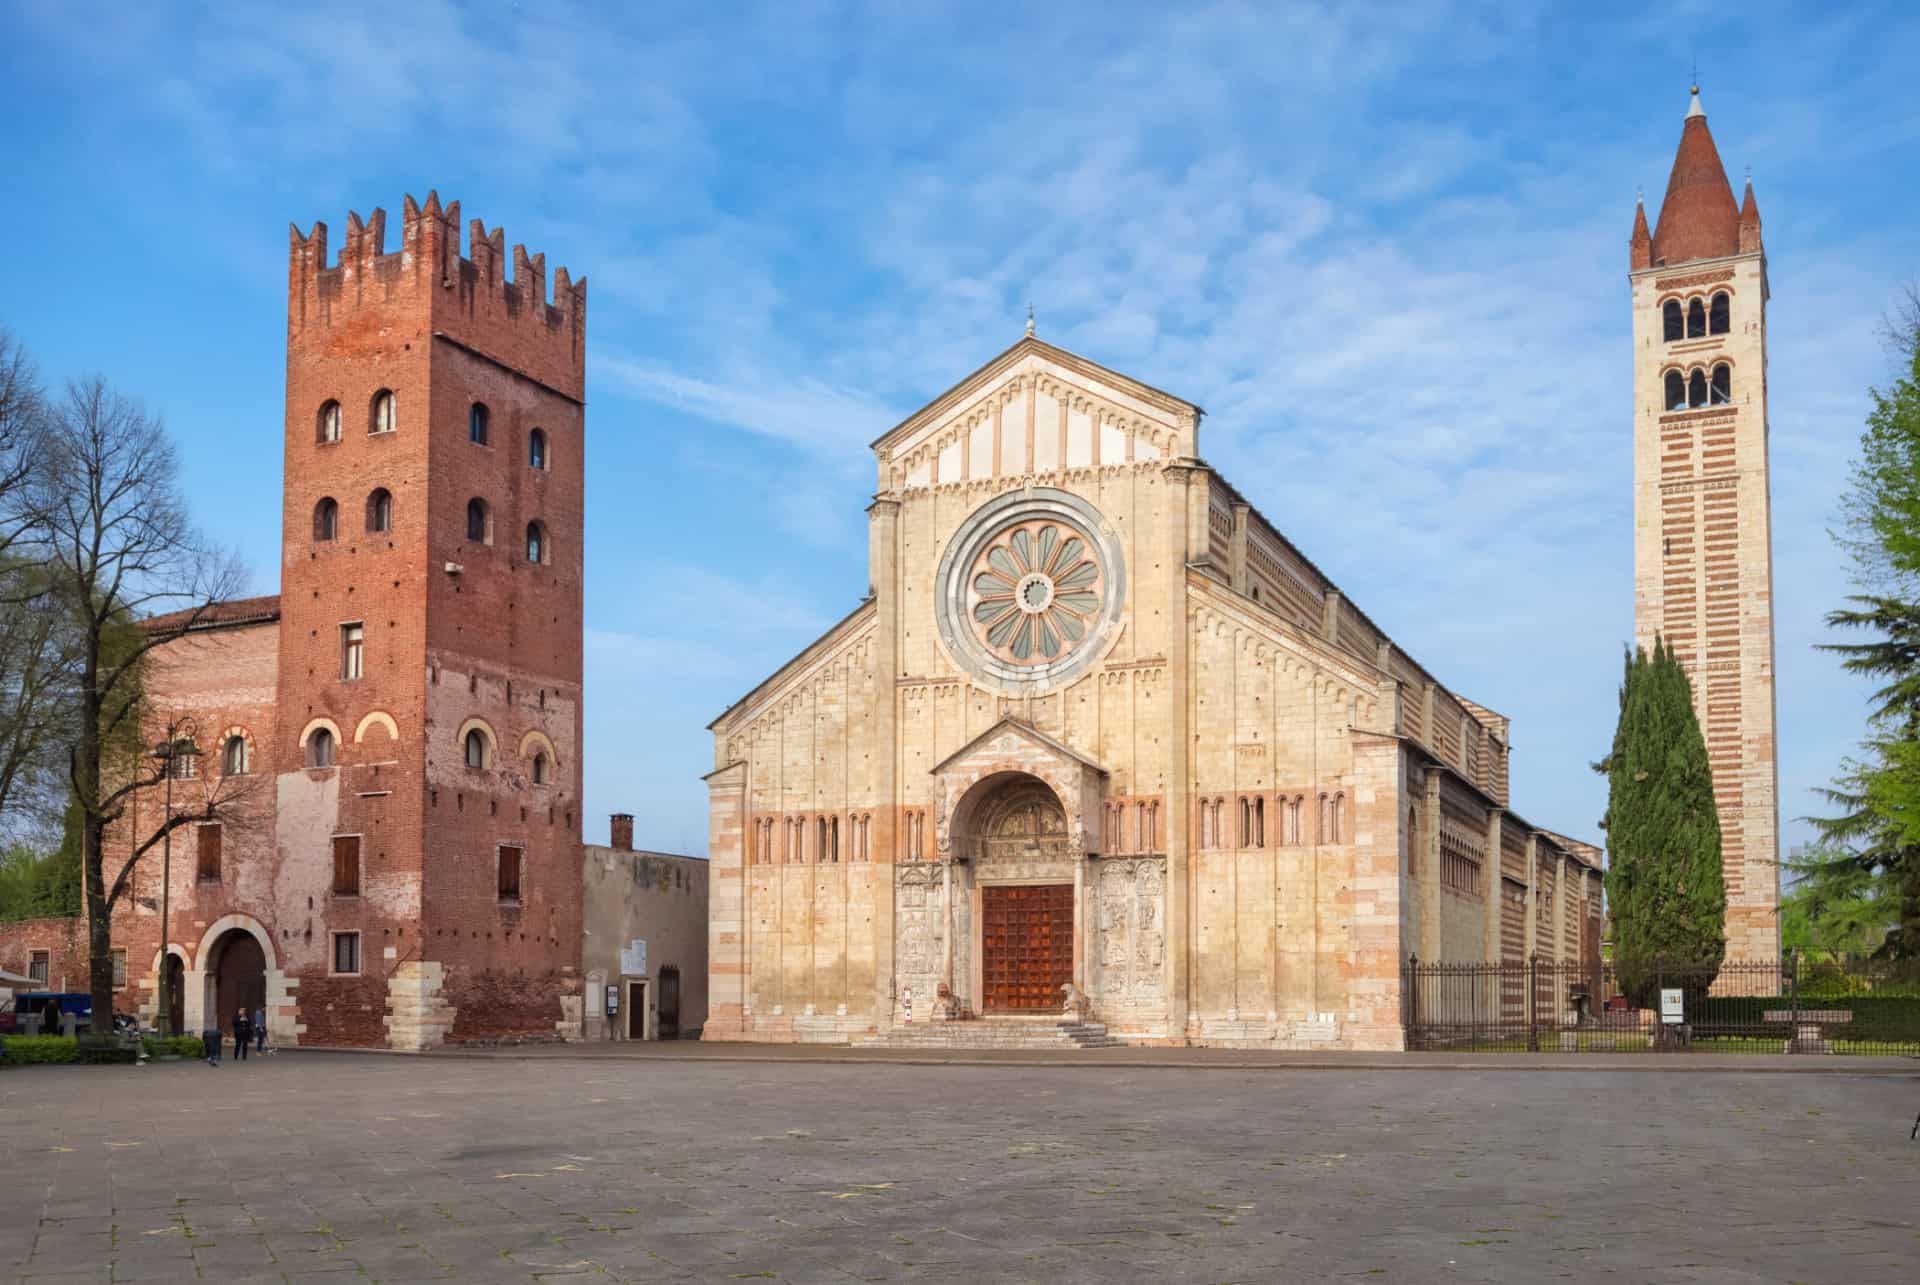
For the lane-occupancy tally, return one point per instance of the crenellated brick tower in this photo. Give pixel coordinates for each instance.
(431, 591)
(1703, 537)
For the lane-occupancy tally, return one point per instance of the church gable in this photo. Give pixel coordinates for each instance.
(1035, 410)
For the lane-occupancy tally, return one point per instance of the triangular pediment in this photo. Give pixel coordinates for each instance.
(1036, 410)
(1018, 733)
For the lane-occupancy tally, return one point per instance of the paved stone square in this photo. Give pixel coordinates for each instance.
(337, 1168)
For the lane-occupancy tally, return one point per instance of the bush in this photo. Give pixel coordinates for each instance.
(40, 1050)
(1876, 1018)
(175, 1046)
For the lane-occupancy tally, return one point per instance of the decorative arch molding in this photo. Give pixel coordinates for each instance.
(535, 739)
(314, 725)
(1007, 750)
(282, 1020)
(245, 923)
(481, 725)
(376, 718)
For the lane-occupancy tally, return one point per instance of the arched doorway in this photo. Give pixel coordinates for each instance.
(176, 974)
(236, 977)
(1026, 919)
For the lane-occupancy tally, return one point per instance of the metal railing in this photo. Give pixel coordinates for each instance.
(1785, 1005)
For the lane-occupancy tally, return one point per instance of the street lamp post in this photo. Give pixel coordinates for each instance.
(177, 745)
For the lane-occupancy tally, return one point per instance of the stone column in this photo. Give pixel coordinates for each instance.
(883, 562)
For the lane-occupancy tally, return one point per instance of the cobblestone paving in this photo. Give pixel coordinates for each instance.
(337, 1169)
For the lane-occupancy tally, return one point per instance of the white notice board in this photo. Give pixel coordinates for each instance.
(1672, 1007)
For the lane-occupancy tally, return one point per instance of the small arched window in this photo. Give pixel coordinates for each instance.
(382, 419)
(1673, 321)
(1720, 316)
(1696, 319)
(328, 429)
(540, 767)
(477, 521)
(536, 543)
(380, 510)
(320, 748)
(1697, 389)
(326, 519)
(1676, 390)
(1259, 822)
(234, 757)
(537, 448)
(1722, 390)
(477, 424)
(476, 748)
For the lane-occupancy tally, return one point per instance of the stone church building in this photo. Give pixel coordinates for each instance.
(1102, 743)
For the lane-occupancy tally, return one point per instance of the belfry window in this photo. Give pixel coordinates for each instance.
(477, 424)
(1719, 319)
(1673, 320)
(326, 519)
(537, 449)
(476, 748)
(477, 521)
(1722, 390)
(328, 429)
(1697, 389)
(1676, 390)
(536, 543)
(1696, 320)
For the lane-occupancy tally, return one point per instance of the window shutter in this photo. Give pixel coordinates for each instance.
(209, 853)
(346, 865)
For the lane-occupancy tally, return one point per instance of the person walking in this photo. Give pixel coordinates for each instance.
(210, 1042)
(259, 1030)
(242, 1034)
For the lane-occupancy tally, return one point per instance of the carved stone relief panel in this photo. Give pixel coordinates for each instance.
(920, 923)
(1130, 944)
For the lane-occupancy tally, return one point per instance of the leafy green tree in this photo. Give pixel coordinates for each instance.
(1664, 888)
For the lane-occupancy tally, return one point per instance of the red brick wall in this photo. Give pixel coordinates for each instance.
(64, 940)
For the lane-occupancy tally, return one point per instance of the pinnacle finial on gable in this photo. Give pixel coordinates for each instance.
(1029, 319)
(1694, 108)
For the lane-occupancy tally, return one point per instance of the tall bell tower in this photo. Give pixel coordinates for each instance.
(1703, 528)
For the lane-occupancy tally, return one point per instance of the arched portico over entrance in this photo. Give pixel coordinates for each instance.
(237, 965)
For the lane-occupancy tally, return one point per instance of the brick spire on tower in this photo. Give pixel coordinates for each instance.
(1698, 218)
(1749, 222)
(1641, 246)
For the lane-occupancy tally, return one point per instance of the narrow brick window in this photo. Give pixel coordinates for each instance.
(346, 953)
(1259, 822)
(537, 449)
(119, 968)
(536, 543)
(207, 853)
(235, 758)
(352, 648)
(476, 748)
(39, 964)
(346, 865)
(477, 424)
(477, 525)
(380, 510)
(320, 748)
(326, 519)
(540, 768)
(328, 428)
(510, 857)
(382, 418)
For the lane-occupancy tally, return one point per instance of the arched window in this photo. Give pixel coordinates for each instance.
(1697, 389)
(477, 423)
(382, 419)
(326, 519)
(1722, 390)
(328, 429)
(1259, 822)
(537, 448)
(320, 748)
(477, 521)
(536, 543)
(234, 757)
(1673, 320)
(1676, 390)
(380, 510)
(1246, 823)
(1696, 319)
(540, 767)
(476, 748)
(1719, 317)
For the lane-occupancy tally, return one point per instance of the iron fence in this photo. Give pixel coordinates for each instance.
(1786, 1005)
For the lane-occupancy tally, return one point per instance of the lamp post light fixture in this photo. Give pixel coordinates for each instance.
(177, 745)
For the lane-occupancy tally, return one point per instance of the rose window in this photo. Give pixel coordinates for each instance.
(1036, 590)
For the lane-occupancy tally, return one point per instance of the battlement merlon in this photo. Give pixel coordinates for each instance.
(467, 297)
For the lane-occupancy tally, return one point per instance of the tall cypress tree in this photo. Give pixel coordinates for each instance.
(1665, 893)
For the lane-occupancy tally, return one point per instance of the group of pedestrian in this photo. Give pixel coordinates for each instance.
(247, 1031)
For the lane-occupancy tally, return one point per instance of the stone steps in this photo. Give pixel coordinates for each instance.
(990, 1034)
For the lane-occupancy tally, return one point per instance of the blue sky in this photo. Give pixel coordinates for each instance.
(1385, 248)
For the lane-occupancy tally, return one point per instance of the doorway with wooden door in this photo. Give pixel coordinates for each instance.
(1027, 947)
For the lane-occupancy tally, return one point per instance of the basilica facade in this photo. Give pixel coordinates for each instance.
(1101, 744)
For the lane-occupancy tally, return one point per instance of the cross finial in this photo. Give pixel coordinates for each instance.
(1029, 318)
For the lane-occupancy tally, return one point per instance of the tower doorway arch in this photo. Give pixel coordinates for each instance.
(236, 969)
(1017, 838)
